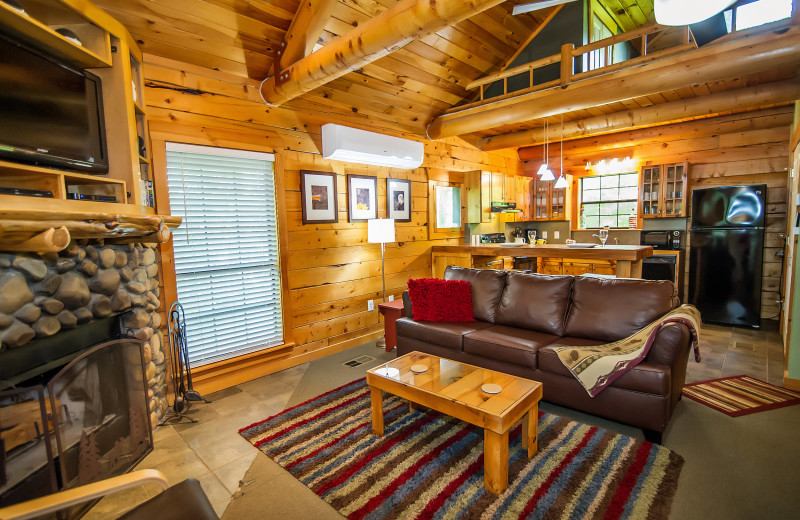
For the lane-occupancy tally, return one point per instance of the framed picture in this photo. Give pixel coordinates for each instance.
(318, 197)
(362, 198)
(398, 200)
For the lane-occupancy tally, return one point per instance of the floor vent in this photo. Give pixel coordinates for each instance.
(741, 345)
(358, 361)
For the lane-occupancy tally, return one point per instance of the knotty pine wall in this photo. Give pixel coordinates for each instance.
(330, 269)
(735, 149)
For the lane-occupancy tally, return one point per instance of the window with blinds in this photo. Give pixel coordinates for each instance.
(226, 250)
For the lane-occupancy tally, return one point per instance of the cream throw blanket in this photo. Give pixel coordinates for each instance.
(598, 366)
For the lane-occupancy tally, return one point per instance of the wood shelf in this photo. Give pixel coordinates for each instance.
(40, 230)
(38, 28)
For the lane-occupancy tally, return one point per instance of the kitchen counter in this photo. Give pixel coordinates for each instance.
(628, 258)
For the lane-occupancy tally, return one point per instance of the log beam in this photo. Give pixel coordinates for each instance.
(747, 55)
(660, 114)
(305, 29)
(380, 36)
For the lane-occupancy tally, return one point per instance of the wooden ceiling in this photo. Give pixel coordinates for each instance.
(401, 92)
(404, 90)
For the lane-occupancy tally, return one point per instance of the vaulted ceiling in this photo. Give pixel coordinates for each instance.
(406, 89)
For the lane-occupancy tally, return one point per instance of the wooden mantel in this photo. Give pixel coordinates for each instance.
(43, 231)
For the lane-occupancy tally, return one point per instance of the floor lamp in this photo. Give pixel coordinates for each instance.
(381, 231)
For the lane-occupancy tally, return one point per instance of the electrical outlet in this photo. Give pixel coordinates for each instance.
(370, 305)
(556, 235)
(391, 297)
(544, 234)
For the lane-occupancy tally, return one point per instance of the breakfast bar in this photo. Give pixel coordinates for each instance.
(628, 258)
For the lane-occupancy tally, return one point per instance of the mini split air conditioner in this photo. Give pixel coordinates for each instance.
(347, 144)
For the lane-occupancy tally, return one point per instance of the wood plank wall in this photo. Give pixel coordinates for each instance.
(331, 269)
(741, 148)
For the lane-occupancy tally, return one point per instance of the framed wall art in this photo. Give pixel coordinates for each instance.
(362, 198)
(398, 200)
(318, 197)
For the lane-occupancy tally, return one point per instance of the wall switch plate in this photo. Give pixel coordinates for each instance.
(544, 234)
(556, 235)
(797, 200)
(391, 297)
(370, 305)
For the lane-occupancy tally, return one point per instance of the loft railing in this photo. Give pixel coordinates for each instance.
(647, 36)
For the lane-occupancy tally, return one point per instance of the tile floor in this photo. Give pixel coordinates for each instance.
(213, 452)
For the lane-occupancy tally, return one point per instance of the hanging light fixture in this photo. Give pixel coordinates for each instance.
(562, 181)
(687, 12)
(543, 167)
(544, 170)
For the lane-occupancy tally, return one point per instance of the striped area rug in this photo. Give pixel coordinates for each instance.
(740, 395)
(428, 465)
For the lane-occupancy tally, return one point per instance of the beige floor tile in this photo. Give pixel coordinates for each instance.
(232, 473)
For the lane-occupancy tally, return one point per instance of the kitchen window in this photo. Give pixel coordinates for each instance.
(608, 200)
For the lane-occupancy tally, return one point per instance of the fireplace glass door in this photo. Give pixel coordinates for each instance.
(102, 421)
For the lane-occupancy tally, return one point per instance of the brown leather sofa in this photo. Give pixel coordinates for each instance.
(520, 316)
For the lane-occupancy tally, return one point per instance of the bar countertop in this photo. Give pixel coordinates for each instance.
(629, 253)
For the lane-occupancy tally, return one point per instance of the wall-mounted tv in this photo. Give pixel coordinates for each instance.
(50, 113)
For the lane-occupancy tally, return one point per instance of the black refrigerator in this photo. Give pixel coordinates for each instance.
(727, 250)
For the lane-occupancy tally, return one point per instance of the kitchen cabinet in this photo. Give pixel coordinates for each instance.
(662, 190)
(576, 267)
(483, 188)
(524, 199)
(549, 202)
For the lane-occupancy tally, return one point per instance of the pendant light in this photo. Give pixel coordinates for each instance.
(687, 12)
(562, 181)
(545, 171)
(543, 167)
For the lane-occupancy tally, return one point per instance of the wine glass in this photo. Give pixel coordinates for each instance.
(603, 236)
(532, 236)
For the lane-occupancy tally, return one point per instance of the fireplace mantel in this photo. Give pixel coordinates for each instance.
(43, 231)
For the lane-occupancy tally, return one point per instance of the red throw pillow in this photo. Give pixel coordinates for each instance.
(433, 299)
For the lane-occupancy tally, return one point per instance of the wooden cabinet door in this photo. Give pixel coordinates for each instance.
(558, 203)
(549, 266)
(674, 190)
(650, 187)
(576, 267)
(524, 198)
(541, 198)
(604, 267)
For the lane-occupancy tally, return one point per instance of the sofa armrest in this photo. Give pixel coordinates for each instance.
(671, 345)
(407, 306)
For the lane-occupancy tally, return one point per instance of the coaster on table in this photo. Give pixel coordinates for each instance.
(491, 388)
(388, 372)
(419, 368)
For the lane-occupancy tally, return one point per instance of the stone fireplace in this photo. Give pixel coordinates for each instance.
(42, 295)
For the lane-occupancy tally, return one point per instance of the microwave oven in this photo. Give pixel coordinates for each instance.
(672, 239)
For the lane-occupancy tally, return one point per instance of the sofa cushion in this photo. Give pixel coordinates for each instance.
(535, 301)
(446, 334)
(487, 288)
(507, 344)
(609, 310)
(433, 299)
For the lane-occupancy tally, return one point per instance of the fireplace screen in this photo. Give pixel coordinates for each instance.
(101, 413)
(26, 462)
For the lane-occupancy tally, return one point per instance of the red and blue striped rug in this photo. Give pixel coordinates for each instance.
(428, 465)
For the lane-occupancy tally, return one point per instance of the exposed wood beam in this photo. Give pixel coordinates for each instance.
(663, 113)
(387, 32)
(735, 58)
(306, 27)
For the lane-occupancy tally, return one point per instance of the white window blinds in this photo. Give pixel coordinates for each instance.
(226, 250)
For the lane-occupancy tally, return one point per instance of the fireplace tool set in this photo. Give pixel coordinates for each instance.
(181, 368)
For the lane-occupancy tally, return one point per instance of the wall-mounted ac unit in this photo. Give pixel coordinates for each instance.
(347, 144)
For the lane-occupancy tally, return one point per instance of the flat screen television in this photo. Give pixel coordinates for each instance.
(50, 113)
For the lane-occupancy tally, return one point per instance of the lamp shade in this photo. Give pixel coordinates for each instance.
(547, 175)
(687, 12)
(561, 182)
(380, 230)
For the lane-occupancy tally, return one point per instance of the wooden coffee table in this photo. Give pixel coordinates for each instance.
(455, 389)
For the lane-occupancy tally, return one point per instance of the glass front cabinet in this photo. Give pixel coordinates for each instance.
(663, 190)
